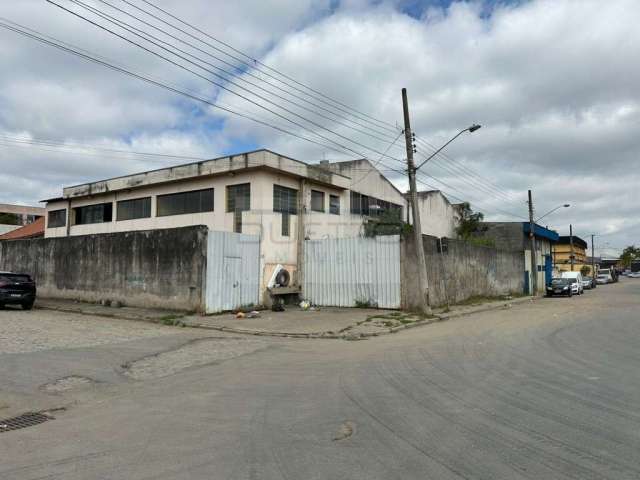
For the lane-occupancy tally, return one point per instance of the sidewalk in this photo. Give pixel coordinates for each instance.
(126, 313)
(322, 322)
(333, 322)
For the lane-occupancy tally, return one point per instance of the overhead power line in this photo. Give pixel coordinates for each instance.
(81, 54)
(256, 64)
(36, 36)
(233, 92)
(227, 75)
(240, 73)
(145, 36)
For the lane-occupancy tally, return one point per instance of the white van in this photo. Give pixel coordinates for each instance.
(576, 286)
(604, 276)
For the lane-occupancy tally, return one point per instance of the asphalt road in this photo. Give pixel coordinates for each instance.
(549, 390)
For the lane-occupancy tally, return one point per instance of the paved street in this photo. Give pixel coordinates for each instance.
(547, 390)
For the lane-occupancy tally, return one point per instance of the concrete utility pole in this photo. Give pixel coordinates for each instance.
(571, 258)
(534, 260)
(423, 282)
(593, 259)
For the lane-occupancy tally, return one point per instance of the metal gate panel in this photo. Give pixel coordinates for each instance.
(233, 271)
(344, 271)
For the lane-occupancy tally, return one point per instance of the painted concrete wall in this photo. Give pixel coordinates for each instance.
(159, 268)
(464, 271)
(438, 217)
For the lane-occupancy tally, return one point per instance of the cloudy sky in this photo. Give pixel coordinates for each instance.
(554, 83)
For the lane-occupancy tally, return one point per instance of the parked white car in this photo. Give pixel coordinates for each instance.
(576, 285)
(604, 276)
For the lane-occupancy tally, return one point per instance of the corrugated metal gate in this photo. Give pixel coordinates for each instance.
(342, 272)
(233, 271)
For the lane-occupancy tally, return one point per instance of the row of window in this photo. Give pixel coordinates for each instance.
(285, 201)
(196, 201)
(374, 207)
(317, 202)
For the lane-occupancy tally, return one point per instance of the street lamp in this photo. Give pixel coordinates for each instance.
(470, 129)
(566, 205)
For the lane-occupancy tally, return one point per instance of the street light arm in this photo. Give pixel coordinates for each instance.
(566, 205)
(472, 128)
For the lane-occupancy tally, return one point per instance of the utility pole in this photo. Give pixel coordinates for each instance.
(423, 283)
(534, 260)
(593, 259)
(571, 258)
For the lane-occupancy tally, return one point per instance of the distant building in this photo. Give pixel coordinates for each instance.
(514, 236)
(438, 217)
(32, 230)
(562, 254)
(22, 214)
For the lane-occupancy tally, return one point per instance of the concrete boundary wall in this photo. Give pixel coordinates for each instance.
(153, 268)
(461, 271)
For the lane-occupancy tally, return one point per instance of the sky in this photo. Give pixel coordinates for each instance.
(555, 85)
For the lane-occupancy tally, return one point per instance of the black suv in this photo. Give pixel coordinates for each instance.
(17, 289)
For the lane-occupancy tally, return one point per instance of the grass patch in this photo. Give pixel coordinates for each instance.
(172, 320)
(367, 303)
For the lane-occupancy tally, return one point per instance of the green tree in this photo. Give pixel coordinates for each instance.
(9, 219)
(585, 270)
(470, 222)
(388, 223)
(629, 254)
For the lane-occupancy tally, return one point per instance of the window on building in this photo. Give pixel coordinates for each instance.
(238, 200)
(317, 201)
(371, 206)
(99, 213)
(196, 201)
(239, 197)
(334, 204)
(285, 200)
(286, 224)
(57, 218)
(132, 209)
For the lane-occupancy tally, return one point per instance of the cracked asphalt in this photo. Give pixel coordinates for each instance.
(543, 390)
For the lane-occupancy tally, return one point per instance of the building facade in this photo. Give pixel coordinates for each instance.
(438, 217)
(514, 236)
(22, 214)
(283, 200)
(562, 254)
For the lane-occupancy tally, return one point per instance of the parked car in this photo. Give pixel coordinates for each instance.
(602, 279)
(17, 289)
(588, 283)
(576, 285)
(634, 275)
(559, 286)
(605, 274)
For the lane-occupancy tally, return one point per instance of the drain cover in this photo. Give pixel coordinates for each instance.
(23, 421)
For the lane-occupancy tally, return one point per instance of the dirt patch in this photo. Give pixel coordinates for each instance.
(68, 383)
(195, 353)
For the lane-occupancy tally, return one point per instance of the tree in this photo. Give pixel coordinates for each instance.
(9, 219)
(388, 223)
(585, 270)
(629, 254)
(469, 223)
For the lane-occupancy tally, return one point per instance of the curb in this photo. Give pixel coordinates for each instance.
(362, 336)
(116, 315)
(311, 335)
